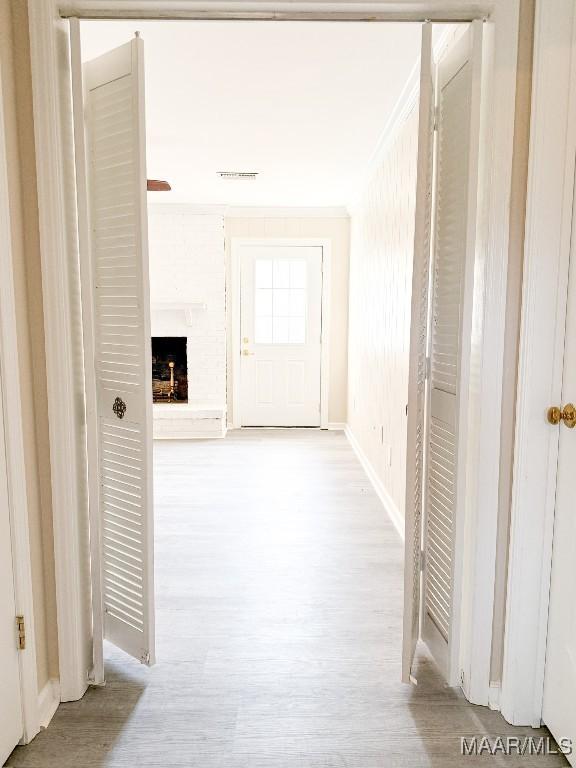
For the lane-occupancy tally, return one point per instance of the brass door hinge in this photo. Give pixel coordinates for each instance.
(21, 631)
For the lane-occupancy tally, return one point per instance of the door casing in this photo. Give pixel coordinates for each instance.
(10, 399)
(49, 39)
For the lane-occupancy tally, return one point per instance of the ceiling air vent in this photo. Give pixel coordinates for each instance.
(237, 174)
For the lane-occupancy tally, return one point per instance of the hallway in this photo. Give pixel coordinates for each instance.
(279, 595)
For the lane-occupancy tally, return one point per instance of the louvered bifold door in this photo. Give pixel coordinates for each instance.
(456, 191)
(417, 369)
(117, 223)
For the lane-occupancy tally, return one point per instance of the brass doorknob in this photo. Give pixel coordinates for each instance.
(566, 414)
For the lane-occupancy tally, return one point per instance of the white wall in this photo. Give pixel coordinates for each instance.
(382, 233)
(336, 229)
(24, 242)
(187, 265)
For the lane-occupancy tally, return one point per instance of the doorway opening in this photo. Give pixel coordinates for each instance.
(384, 439)
(277, 291)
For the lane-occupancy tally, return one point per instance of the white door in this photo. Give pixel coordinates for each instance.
(559, 710)
(11, 724)
(436, 430)
(111, 173)
(418, 351)
(280, 335)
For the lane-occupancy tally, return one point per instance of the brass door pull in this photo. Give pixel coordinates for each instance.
(567, 415)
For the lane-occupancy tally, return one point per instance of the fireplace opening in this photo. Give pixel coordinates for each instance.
(169, 369)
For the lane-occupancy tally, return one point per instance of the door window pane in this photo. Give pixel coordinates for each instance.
(263, 302)
(297, 330)
(297, 273)
(263, 273)
(297, 302)
(281, 273)
(280, 301)
(281, 330)
(263, 330)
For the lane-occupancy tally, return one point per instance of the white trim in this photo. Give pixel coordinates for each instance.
(546, 261)
(494, 693)
(271, 212)
(48, 701)
(396, 517)
(405, 104)
(251, 211)
(189, 309)
(233, 324)
(50, 73)
(49, 57)
(484, 356)
(499, 56)
(10, 394)
(337, 426)
(302, 10)
(188, 209)
(233, 327)
(326, 320)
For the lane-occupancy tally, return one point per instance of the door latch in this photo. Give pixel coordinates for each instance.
(566, 414)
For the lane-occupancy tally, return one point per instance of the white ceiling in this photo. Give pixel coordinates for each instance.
(303, 104)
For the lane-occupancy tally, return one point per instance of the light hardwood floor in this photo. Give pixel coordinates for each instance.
(279, 596)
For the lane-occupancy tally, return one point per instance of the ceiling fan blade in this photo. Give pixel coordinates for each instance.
(154, 185)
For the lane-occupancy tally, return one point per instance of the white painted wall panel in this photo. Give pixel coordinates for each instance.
(382, 242)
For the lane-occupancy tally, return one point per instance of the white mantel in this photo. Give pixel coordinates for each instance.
(189, 308)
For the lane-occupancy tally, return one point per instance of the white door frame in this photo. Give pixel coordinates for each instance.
(10, 400)
(341, 10)
(51, 76)
(233, 313)
(546, 261)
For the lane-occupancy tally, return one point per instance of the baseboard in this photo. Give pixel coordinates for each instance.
(48, 701)
(190, 436)
(339, 426)
(387, 502)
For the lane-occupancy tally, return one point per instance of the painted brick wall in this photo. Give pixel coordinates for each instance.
(187, 265)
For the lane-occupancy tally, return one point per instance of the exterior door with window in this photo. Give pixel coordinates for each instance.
(280, 335)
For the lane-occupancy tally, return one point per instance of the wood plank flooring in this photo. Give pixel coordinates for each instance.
(279, 611)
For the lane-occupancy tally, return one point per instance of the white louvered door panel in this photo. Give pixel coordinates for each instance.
(458, 95)
(116, 181)
(418, 351)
